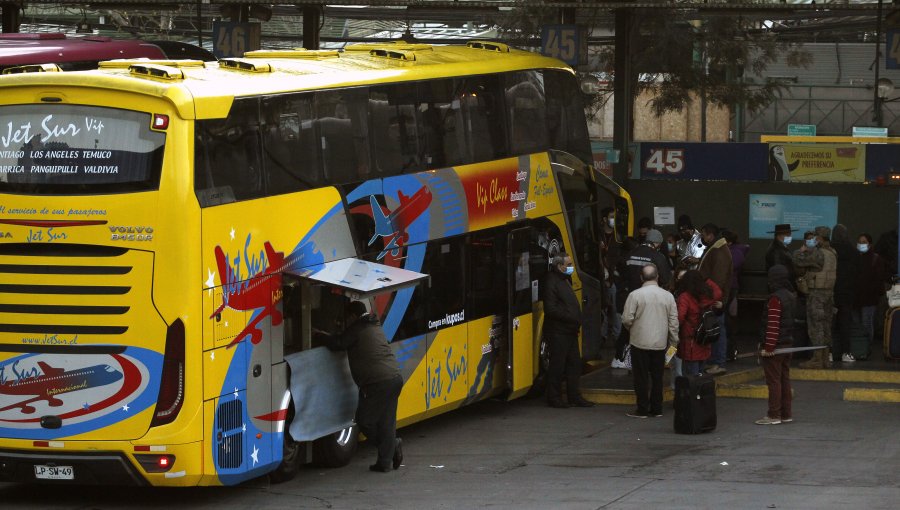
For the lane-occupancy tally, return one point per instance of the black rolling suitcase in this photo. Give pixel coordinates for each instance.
(695, 404)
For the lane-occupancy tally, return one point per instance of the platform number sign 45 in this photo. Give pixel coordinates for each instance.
(662, 161)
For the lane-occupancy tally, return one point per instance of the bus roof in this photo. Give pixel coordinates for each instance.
(45, 48)
(212, 87)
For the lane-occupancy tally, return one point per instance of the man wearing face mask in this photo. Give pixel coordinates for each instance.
(562, 320)
(778, 252)
(689, 246)
(648, 253)
(819, 260)
(717, 266)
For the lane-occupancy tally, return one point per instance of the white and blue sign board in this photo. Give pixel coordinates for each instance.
(801, 212)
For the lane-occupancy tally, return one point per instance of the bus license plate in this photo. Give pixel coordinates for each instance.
(54, 472)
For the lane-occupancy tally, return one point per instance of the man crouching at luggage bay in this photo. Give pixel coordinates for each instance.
(779, 324)
(375, 371)
(651, 316)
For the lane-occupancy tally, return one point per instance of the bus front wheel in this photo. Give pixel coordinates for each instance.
(336, 450)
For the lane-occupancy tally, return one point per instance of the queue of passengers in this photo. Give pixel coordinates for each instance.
(829, 274)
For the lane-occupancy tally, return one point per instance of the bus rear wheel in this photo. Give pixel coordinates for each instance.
(336, 450)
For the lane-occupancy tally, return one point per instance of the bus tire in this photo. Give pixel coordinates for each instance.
(336, 450)
(291, 457)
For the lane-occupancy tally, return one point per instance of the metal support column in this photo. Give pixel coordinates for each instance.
(11, 17)
(312, 19)
(623, 90)
(879, 120)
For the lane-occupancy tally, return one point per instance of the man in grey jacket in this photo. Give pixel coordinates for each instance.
(375, 371)
(651, 316)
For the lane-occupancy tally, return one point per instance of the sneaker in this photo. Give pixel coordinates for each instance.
(768, 421)
(848, 358)
(397, 461)
(715, 370)
(656, 415)
(616, 363)
(378, 468)
(637, 414)
(786, 420)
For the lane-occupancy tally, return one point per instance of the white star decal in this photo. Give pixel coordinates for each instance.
(231, 234)
(226, 324)
(255, 455)
(235, 392)
(212, 355)
(125, 408)
(244, 427)
(211, 279)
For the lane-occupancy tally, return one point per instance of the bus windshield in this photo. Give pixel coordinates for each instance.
(62, 149)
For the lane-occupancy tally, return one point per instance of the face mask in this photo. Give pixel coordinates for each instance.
(570, 270)
(862, 247)
(670, 246)
(611, 222)
(787, 240)
(810, 243)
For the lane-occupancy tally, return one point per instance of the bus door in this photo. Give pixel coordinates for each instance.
(519, 299)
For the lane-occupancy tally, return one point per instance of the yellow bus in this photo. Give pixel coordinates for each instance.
(176, 237)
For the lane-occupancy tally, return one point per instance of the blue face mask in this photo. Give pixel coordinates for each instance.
(570, 270)
(862, 247)
(811, 243)
(787, 240)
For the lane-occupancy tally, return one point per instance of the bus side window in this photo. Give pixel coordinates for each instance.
(480, 99)
(526, 112)
(290, 148)
(566, 124)
(445, 262)
(395, 129)
(343, 129)
(435, 98)
(487, 277)
(228, 158)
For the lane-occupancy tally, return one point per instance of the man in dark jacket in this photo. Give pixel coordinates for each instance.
(845, 282)
(647, 253)
(562, 320)
(716, 265)
(780, 310)
(778, 252)
(375, 371)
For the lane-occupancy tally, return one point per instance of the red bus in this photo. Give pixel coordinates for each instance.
(80, 53)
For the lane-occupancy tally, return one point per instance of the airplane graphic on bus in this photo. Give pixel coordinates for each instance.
(56, 381)
(251, 295)
(392, 226)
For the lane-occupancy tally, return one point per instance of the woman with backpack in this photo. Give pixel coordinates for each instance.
(695, 295)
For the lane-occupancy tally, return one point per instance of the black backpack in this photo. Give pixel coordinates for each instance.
(708, 330)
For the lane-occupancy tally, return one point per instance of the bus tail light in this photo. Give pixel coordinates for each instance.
(156, 463)
(171, 386)
(160, 121)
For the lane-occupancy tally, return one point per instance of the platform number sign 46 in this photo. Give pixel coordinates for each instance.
(661, 161)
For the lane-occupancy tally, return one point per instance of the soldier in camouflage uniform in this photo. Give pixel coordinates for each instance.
(819, 261)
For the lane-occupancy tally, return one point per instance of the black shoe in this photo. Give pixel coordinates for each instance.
(379, 468)
(557, 403)
(637, 414)
(398, 453)
(581, 402)
(657, 414)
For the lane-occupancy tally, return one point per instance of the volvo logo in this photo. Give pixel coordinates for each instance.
(131, 233)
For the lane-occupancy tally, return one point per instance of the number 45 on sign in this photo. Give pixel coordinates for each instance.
(665, 161)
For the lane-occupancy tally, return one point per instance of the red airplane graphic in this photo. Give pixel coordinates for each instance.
(56, 381)
(255, 294)
(392, 227)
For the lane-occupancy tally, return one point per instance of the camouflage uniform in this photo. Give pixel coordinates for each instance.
(820, 265)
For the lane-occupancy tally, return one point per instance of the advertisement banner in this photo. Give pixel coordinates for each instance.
(821, 162)
(801, 212)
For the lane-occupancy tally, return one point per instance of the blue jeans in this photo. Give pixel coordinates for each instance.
(612, 327)
(692, 367)
(676, 369)
(720, 347)
(866, 317)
